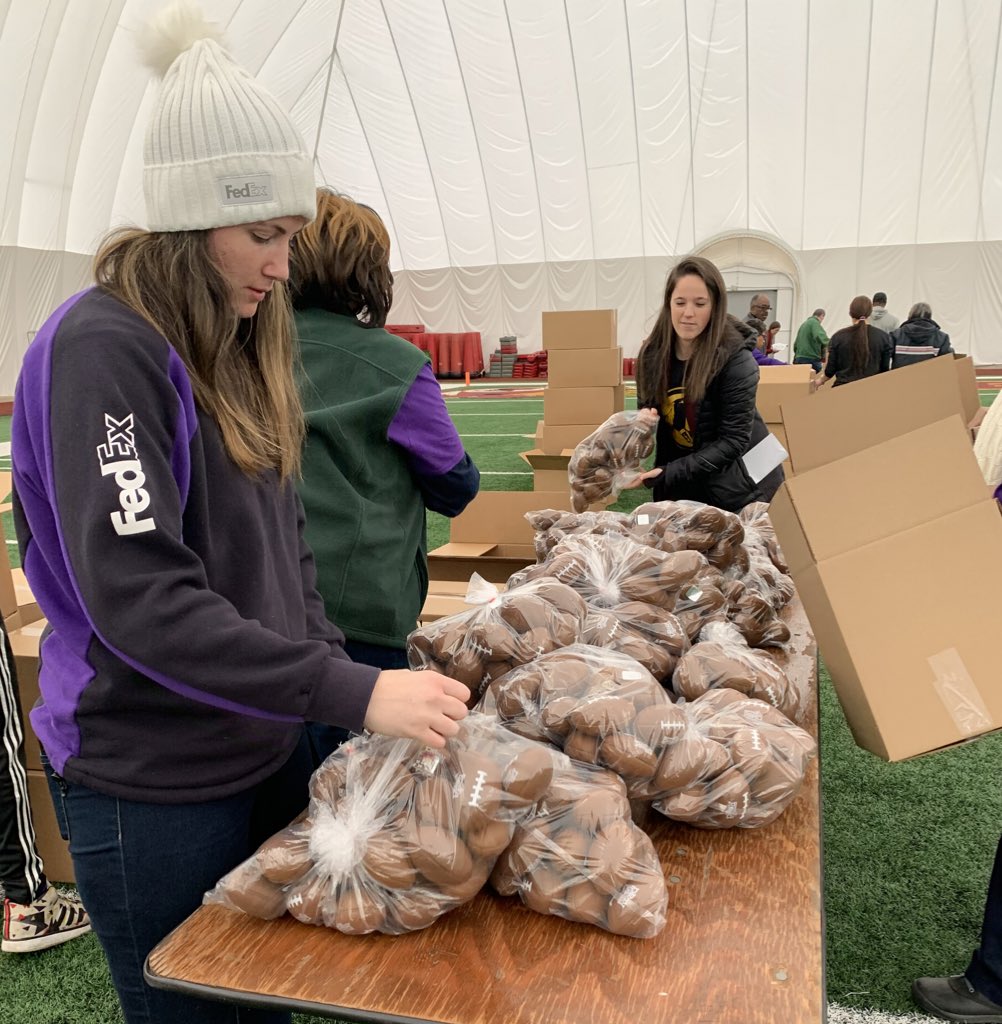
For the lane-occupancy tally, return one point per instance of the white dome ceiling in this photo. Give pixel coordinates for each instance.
(559, 134)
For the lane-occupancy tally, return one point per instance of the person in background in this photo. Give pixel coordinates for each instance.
(756, 329)
(161, 532)
(858, 351)
(759, 308)
(697, 375)
(35, 914)
(770, 337)
(380, 446)
(919, 338)
(811, 343)
(881, 318)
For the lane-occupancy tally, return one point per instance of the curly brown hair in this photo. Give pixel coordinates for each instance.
(340, 261)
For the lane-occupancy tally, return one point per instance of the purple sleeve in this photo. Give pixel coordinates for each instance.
(422, 427)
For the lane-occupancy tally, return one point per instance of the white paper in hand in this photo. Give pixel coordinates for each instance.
(764, 458)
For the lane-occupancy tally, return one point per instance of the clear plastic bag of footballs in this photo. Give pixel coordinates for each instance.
(760, 535)
(499, 632)
(761, 760)
(550, 526)
(755, 599)
(580, 856)
(611, 457)
(648, 634)
(603, 708)
(397, 833)
(610, 570)
(693, 526)
(723, 659)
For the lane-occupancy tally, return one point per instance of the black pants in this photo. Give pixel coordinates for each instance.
(20, 866)
(985, 970)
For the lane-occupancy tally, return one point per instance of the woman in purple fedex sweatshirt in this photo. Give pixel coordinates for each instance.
(156, 440)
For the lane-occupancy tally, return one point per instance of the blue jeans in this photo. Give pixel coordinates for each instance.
(142, 868)
(816, 363)
(325, 739)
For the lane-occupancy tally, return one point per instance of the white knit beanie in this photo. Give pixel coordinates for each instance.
(219, 148)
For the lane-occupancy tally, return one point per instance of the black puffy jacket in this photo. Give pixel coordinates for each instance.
(918, 339)
(727, 427)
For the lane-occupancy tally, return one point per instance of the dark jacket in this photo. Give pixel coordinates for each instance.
(917, 340)
(727, 427)
(188, 642)
(839, 363)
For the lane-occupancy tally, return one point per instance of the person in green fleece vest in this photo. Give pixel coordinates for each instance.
(380, 446)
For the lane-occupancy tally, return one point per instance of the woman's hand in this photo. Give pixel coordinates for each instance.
(638, 481)
(424, 706)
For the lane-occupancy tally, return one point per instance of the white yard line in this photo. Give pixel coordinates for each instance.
(848, 1015)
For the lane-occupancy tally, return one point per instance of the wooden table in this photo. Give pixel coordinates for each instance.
(744, 942)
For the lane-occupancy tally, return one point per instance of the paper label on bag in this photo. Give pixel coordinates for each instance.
(764, 458)
(959, 693)
(643, 519)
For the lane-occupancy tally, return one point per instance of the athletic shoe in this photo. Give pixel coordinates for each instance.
(955, 999)
(55, 917)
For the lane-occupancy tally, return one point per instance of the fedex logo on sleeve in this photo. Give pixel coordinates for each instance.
(119, 459)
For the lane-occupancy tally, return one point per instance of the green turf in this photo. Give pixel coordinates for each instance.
(907, 847)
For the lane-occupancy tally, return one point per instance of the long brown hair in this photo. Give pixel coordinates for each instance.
(658, 350)
(859, 344)
(341, 261)
(241, 371)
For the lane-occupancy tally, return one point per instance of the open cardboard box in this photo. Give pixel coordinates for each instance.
(888, 528)
(549, 471)
(492, 537)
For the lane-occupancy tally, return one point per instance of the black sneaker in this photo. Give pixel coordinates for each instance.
(955, 999)
(55, 917)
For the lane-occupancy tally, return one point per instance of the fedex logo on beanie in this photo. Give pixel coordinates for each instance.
(248, 188)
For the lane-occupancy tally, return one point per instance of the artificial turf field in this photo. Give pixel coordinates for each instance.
(907, 847)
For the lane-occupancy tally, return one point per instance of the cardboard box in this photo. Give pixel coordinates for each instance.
(778, 384)
(492, 537)
(887, 546)
(838, 421)
(566, 406)
(967, 382)
(555, 438)
(24, 645)
(581, 328)
(445, 597)
(27, 606)
(549, 470)
(52, 848)
(585, 368)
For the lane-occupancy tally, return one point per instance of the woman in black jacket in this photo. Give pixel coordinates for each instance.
(858, 351)
(696, 370)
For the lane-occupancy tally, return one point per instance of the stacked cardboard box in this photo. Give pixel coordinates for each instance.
(778, 384)
(584, 388)
(891, 537)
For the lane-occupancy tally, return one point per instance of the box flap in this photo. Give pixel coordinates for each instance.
(498, 517)
(790, 531)
(794, 373)
(541, 460)
(841, 420)
(967, 381)
(461, 549)
(773, 391)
(887, 488)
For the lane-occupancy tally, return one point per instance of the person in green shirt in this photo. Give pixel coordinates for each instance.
(811, 344)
